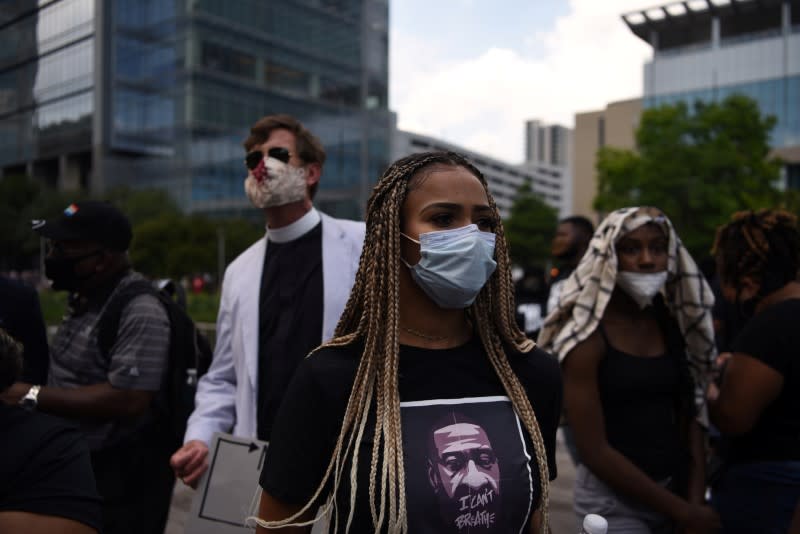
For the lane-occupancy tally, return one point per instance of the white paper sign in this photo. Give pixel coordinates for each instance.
(229, 492)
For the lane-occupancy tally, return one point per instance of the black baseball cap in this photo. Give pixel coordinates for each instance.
(89, 220)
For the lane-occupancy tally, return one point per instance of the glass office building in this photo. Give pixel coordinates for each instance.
(162, 93)
(709, 49)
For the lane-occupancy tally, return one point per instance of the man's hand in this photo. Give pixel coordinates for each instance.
(190, 462)
(15, 393)
(722, 360)
(712, 392)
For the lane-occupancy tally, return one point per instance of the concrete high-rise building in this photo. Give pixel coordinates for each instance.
(162, 92)
(504, 179)
(614, 126)
(548, 151)
(708, 49)
(550, 144)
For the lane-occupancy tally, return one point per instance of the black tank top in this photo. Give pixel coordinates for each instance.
(641, 398)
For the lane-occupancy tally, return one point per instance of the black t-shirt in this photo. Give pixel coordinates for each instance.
(773, 337)
(468, 461)
(45, 468)
(290, 317)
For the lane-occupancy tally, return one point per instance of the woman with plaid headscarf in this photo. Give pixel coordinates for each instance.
(634, 335)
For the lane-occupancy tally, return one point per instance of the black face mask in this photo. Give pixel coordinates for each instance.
(61, 271)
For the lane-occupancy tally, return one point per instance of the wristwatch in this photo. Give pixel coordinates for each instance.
(31, 398)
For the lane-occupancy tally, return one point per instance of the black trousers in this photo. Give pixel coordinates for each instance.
(135, 481)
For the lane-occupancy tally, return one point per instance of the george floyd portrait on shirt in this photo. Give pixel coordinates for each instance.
(463, 471)
(478, 474)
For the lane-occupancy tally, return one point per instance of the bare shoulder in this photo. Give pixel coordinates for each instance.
(586, 354)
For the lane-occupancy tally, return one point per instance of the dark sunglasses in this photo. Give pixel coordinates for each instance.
(253, 158)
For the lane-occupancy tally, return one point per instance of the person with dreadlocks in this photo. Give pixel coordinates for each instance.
(758, 405)
(430, 411)
(633, 331)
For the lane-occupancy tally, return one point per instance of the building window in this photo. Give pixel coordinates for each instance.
(761, 22)
(601, 132)
(286, 78)
(793, 176)
(339, 92)
(795, 17)
(540, 143)
(555, 145)
(696, 35)
(227, 60)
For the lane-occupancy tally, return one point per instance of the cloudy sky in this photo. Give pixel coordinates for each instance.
(472, 71)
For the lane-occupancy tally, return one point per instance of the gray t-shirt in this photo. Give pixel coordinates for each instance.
(137, 360)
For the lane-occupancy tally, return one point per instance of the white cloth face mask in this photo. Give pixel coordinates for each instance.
(281, 184)
(641, 287)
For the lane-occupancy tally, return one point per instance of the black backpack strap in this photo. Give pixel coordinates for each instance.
(108, 324)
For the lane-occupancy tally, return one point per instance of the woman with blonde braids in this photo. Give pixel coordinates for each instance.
(430, 411)
(758, 405)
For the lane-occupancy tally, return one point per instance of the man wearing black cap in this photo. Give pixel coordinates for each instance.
(108, 395)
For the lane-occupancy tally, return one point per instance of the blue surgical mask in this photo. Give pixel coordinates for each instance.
(454, 265)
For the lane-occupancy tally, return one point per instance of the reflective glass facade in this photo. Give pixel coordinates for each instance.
(324, 61)
(46, 80)
(166, 90)
(778, 97)
(709, 51)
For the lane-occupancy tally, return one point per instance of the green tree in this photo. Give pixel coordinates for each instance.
(698, 166)
(21, 201)
(530, 228)
(166, 242)
(790, 201)
(17, 193)
(142, 205)
(175, 245)
(238, 234)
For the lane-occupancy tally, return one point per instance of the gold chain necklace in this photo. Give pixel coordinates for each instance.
(423, 335)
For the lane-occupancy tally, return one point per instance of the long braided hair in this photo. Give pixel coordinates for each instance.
(763, 244)
(371, 316)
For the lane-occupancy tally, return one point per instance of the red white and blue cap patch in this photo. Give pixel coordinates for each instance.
(72, 209)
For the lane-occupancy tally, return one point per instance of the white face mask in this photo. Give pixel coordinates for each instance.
(275, 183)
(641, 287)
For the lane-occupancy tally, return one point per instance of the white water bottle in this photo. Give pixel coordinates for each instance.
(594, 524)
